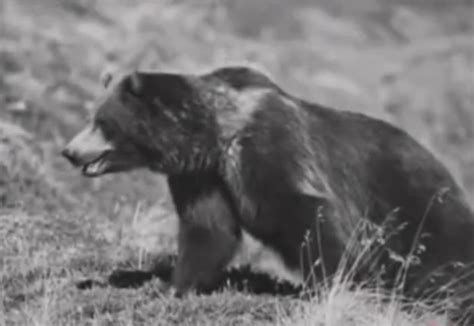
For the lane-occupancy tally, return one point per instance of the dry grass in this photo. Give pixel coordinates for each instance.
(43, 256)
(410, 65)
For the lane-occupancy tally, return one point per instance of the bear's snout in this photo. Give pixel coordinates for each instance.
(71, 156)
(87, 146)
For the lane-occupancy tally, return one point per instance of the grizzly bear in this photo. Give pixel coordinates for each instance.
(243, 155)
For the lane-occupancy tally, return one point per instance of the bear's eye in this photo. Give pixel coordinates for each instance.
(106, 127)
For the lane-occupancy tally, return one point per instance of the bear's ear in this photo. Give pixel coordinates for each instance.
(106, 78)
(135, 83)
(107, 75)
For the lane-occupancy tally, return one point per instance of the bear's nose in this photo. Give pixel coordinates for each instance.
(71, 156)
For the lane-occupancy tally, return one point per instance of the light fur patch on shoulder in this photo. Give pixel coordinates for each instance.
(248, 100)
(264, 259)
(236, 109)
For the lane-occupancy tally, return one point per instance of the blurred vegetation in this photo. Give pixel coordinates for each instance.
(409, 62)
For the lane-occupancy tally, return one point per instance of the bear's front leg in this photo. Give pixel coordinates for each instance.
(203, 255)
(209, 232)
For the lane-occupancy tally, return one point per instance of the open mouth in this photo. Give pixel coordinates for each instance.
(97, 167)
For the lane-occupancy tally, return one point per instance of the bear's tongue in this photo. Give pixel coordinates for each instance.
(95, 168)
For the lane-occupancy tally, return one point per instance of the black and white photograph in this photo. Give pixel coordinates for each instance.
(237, 162)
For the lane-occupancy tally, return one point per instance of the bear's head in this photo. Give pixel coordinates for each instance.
(151, 120)
(167, 122)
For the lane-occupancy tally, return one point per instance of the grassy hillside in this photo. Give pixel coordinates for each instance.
(411, 64)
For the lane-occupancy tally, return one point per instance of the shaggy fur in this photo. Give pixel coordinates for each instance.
(242, 154)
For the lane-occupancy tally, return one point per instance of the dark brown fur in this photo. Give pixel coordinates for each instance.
(241, 154)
